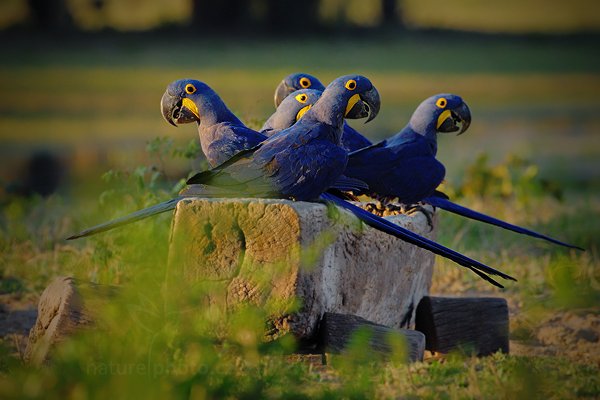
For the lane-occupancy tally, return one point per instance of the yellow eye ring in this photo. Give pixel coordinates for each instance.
(301, 98)
(190, 89)
(441, 102)
(351, 84)
(305, 82)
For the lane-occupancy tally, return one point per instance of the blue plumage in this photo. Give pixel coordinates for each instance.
(404, 165)
(351, 139)
(449, 206)
(222, 134)
(301, 163)
(296, 81)
(290, 110)
(304, 160)
(390, 228)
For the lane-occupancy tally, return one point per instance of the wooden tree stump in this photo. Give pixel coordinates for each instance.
(271, 253)
(267, 251)
(336, 331)
(478, 325)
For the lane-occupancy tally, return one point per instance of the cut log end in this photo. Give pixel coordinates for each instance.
(476, 325)
(337, 331)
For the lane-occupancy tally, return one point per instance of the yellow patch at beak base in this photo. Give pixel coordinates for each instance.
(302, 111)
(443, 116)
(190, 105)
(351, 102)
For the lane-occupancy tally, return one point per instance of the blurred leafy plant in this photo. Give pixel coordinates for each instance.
(148, 184)
(515, 178)
(574, 284)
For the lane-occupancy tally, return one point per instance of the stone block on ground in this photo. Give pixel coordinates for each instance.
(269, 252)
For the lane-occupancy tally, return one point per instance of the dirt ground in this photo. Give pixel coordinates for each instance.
(17, 315)
(571, 334)
(574, 335)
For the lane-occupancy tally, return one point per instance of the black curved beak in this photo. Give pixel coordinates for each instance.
(282, 91)
(170, 106)
(464, 117)
(455, 120)
(368, 106)
(176, 110)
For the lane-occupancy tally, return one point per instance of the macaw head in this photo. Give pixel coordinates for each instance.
(443, 113)
(189, 100)
(355, 93)
(294, 82)
(292, 108)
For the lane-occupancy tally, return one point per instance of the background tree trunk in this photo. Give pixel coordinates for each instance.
(392, 14)
(50, 15)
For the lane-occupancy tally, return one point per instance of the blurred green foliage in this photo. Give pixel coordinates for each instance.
(516, 178)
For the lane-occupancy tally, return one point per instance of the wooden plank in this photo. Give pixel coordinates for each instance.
(336, 331)
(477, 325)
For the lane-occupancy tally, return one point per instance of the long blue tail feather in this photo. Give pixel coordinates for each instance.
(411, 237)
(128, 219)
(447, 205)
(370, 219)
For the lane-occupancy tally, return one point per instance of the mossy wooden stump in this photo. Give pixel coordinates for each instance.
(300, 262)
(276, 252)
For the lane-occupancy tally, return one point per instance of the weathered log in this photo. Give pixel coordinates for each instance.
(271, 253)
(65, 307)
(274, 252)
(336, 331)
(478, 325)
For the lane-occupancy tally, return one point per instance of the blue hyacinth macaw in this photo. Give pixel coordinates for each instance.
(301, 163)
(293, 82)
(290, 110)
(222, 134)
(296, 104)
(351, 138)
(405, 165)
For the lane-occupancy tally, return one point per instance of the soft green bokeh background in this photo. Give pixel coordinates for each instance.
(96, 101)
(93, 98)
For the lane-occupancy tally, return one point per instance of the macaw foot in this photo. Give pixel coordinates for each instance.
(375, 208)
(382, 206)
(394, 208)
(410, 209)
(351, 197)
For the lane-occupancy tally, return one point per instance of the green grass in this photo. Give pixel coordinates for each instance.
(97, 104)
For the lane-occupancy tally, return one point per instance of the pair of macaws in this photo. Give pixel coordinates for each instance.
(302, 153)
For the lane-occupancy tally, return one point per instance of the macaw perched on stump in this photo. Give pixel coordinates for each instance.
(301, 163)
(351, 138)
(405, 165)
